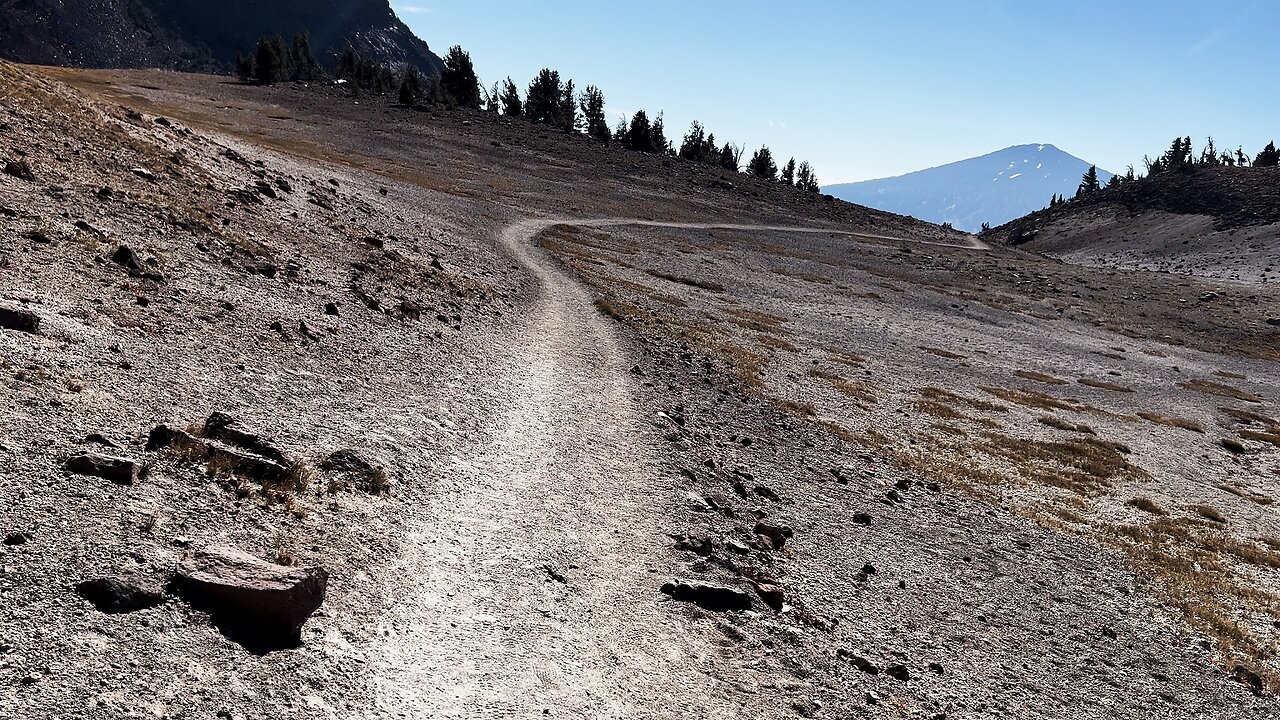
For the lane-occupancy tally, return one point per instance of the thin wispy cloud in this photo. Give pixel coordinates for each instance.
(1209, 41)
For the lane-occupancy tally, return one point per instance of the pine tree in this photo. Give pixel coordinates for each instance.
(1269, 157)
(638, 135)
(806, 178)
(458, 79)
(491, 102)
(694, 144)
(568, 108)
(1241, 159)
(1089, 183)
(542, 99)
(730, 157)
(303, 62)
(789, 172)
(410, 86)
(511, 104)
(591, 102)
(658, 141)
(762, 165)
(268, 65)
(244, 67)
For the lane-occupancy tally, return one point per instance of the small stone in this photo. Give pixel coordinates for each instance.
(936, 667)
(1274, 322)
(99, 439)
(772, 595)
(777, 534)
(120, 471)
(164, 436)
(862, 518)
(19, 169)
(331, 309)
(144, 173)
(859, 662)
(898, 672)
(17, 538)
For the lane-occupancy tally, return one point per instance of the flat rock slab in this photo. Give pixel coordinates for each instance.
(253, 600)
(120, 471)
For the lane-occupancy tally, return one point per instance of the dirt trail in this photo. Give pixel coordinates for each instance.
(534, 586)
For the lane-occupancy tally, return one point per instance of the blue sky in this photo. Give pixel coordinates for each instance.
(866, 89)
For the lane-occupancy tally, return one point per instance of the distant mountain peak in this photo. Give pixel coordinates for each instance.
(993, 188)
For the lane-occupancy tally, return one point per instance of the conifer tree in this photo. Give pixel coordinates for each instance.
(302, 61)
(511, 104)
(542, 99)
(269, 60)
(638, 135)
(806, 178)
(568, 108)
(789, 172)
(458, 79)
(694, 144)
(591, 102)
(410, 86)
(730, 157)
(658, 141)
(1269, 157)
(762, 165)
(1089, 183)
(244, 67)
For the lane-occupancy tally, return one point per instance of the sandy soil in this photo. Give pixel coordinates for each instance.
(552, 467)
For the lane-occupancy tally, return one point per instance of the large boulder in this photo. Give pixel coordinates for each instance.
(715, 598)
(256, 602)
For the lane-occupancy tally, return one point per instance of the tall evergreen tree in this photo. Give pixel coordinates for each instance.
(302, 62)
(458, 79)
(511, 103)
(694, 144)
(731, 157)
(244, 67)
(789, 172)
(269, 60)
(591, 102)
(410, 86)
(1269, 157)
(542, 99)
(638, 135)
(568, 108)
(658, 141)
(806, 178)
(762, 165)
(1089, 183)
(492, 103)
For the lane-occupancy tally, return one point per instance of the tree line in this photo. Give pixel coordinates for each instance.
(548, 99)
(1180, 157)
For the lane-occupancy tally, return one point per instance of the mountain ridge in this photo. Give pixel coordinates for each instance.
(968, 193)
(198, 36)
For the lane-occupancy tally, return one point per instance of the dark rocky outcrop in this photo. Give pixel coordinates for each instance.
(198, 35)
(20, 320)
(715, 598)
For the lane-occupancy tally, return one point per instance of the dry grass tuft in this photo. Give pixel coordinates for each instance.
(777, 343)
(939, 410)
(1221, 390)
(1054, 422)
(1271, 436)
(691, 282)
(1085, 465)
(1171, 422)
(945, 396)
(850, 388)
(616, 308)
(1104, 385)
(799, 409)
(1147, 505)
(1208, 512)
(1039, 377)
(1248, 417)
(1032, 399)
(1233, 445)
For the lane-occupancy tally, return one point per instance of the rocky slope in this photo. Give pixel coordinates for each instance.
(195, 35)
(1221, 222)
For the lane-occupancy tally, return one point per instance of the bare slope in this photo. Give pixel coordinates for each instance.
(553, 469)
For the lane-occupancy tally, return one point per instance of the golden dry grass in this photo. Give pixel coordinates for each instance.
(691, 282)
(1159, 419)
(1060, 424)
(1249, 417)
(1221, 390)
(1104, 385)
(1039, 377)
(946, 396)
(776, 343)
(850, 388)
(1032, 399)
(1269, 436)
(1147, 505)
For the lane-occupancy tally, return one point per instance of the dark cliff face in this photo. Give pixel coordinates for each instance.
(197, 34)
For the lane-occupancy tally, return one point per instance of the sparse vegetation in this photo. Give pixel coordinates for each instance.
(1104, 385)
(1060, 424)
(1039, 377)
(1159, 419)
(1147, 505)
(1213, 388)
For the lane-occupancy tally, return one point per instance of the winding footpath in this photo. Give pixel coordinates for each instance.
(535, 588)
